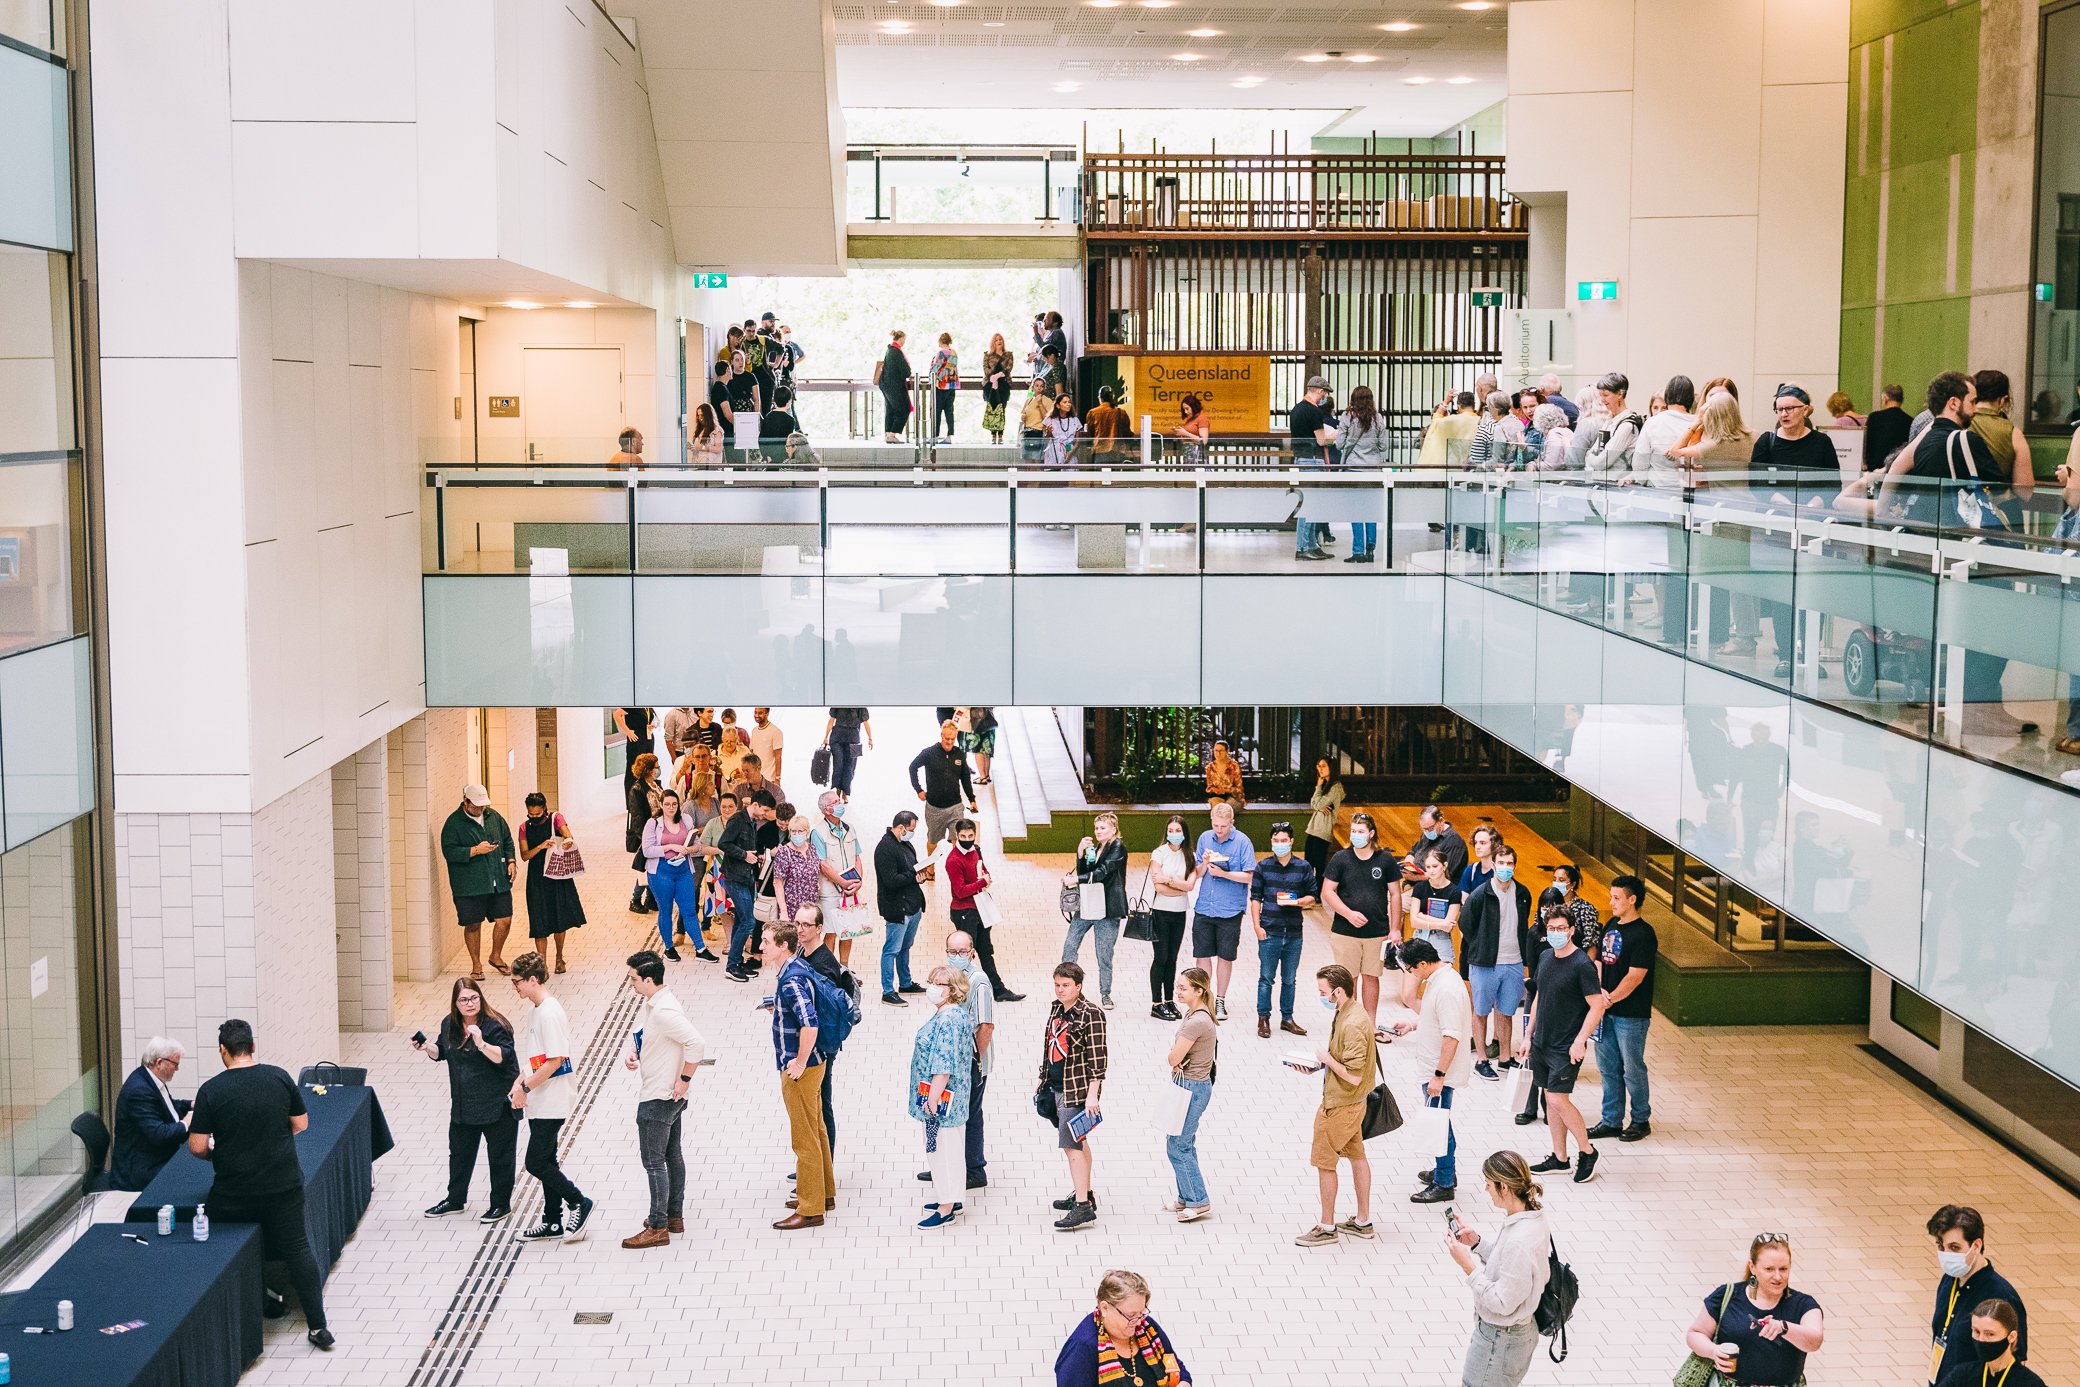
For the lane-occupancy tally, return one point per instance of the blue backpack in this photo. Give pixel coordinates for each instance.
(836, 1014)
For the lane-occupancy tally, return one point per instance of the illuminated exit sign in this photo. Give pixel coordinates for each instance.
(2043, 293)
(710, 279)
(1487, 298)
(1597, 290)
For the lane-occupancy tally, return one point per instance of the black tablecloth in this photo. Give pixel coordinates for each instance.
(337, 1152)
(200, 1303)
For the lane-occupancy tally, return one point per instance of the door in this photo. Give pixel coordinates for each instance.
(572, 405)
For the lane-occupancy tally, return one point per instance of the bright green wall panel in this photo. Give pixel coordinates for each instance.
(1935, 87)
(1860, 242)
(1873, 19)
(1917, 232)
(1858, 328)
(1925, 338)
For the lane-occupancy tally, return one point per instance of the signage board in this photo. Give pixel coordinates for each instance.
(1597, 290)
(711, 279)
(504, 406)
(1236, 390)
(1487, 298)
(1535, 341)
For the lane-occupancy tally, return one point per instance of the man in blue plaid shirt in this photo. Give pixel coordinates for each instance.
(801, 1078)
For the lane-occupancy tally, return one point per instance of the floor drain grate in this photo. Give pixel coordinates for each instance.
(593, 1317)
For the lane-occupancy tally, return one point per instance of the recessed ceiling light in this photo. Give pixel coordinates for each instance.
(519, 303)
(579, 303)
(1157, 4)
(1458, 81)
(1203, 33)
(895, 26)
(1399, 26)
(1314, 57)
(1067, 86)
(1247, 82)
(1363, 58)
(1184, 57)
(1418, 81)
(992, 23)
(1476, 4)
(1104, 4)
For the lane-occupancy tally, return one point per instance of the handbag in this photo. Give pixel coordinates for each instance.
(1090, 900)
(849, 919)
(564, 863)
(987, 909)
(1141, 920)
(1382, 1113)
(820, 765)
(1043, 1104)
(1072, 898)
(1180, 1111)
(1973, 503)
(765, 908)
(1698, 1371)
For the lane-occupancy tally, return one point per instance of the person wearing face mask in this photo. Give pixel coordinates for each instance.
(1496, 933)
(1757, 1331)
(1434, 905)
(967, 882)
(1968, 1282)
(899, 889)
(1566, 1006)
(797, 874)
(1101, 860)
(982, 1012)
(1282, 886)
(1361, 893)
(1444, 1034)
(1994, 1361)
(1170, 876)
(1437, 834)
(1507, 1274)
(942, 1061)
(836, 844)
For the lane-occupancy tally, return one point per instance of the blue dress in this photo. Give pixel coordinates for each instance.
(945, 1045)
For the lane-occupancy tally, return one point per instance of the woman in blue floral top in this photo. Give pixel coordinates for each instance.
(941, 1076)
(946, 383)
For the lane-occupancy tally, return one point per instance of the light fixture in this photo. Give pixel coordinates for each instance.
(1067, 86)
(992, 23)
(949, 4)
(1157, 4)
(1202, 33)
(1104, 4)
(579, 303)
(1363, 58)
(895, 26)
(1247, 82)
(1314, 57)
(1399, 26)
(1476, 4)
(1184, 57)
(1458, 81)
(1418, 81)
(518, 303)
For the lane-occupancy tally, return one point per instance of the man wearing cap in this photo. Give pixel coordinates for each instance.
(1310, 420)
(478, 847)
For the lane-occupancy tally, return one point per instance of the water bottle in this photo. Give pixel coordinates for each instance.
(201, 1224)
(166, 1220)
(64, 1315)
(6, 1370)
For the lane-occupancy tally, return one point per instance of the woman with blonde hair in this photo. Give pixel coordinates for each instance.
(941, 1082)
(1190, 1062)
(1506, 1273)
(997, 366)
(1120, 1342)
(797, 871)
(1757, 1331)
(1100, 876)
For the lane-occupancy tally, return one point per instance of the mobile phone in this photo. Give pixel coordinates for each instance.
(1451, 1219)
(418, 1037)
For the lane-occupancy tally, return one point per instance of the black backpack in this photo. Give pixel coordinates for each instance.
(1556, 1304)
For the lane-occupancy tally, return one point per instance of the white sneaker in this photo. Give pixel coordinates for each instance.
(1220, 1008)
(1106, 1001)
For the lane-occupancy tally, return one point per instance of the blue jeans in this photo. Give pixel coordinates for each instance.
(664, 1162)
(745, 922)
(1446, 1175)
(895, 949)
(676, 883)
(844, 761)
(1108, 936)
(1307, 535)
(1183, 1149)
(1279, 948)
(1621, 1053)
(1364, 536)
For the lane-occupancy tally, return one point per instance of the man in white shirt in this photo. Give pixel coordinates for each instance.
(1443, 1029)
(667, 1050)
(545, 1090)
(768, 742)
(677, 725)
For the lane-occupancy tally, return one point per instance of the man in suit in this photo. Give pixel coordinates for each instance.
(151, 1123)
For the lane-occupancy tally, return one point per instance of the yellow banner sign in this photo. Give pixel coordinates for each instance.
(1236, 391)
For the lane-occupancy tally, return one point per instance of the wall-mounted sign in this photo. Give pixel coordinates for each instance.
(1597, 290)
(505, 406)
(1487, 298)
(1535, 341)
(1236, 390)
(710, 279)
(2043, 293)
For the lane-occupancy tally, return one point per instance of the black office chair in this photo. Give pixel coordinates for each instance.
(93, 1134)
(329, 1072)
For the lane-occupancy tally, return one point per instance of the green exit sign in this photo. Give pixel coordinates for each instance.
(710, 279)
(1487, 298)
(2043, 293)
(1597, 290)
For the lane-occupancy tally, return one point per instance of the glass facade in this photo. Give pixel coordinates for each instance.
(2055, 299)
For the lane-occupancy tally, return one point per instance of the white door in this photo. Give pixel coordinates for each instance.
(572, 405)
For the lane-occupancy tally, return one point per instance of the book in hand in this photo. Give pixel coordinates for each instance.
(924, 1097)
(1302, 1061)
(1081, 1121)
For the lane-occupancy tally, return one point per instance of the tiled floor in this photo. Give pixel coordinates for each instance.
(1761, 1128)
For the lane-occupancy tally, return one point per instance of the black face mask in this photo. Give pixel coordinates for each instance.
(1989, 1349)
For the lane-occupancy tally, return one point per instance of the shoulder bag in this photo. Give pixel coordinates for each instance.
(1140, 922)
(563, 863)
(1971, 501)
(765, 907)
(1382, 1113)
(1698, 1371)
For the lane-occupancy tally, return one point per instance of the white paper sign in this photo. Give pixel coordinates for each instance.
(39, 977)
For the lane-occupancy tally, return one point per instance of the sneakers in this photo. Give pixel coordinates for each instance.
(912, 989)
(1494, 1050)
(649, 1237)
(1509, 1064)
(444, 1208)
(1068, 1201)
(1604, 1131)
(705, 956)
(543, 1233)
(1106, 1001)
(495, 1214)
(1487, 1071)
(1314, 556)
(1351, 1228)
(1362, 556)
(978, 1182)
(1316, 1236)
(736, 975)
(1585, 1168)
(574, 1224)
(1220, 1008)
(671, 955)
(1079, 1216)
(1636, 1132)
(938, 1218)
(892, 999)
(320, 1339)
(1551, 1165)
(1161, 1011)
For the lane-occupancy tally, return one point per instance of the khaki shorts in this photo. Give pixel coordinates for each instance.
(1338, 1135)
(1360, 956)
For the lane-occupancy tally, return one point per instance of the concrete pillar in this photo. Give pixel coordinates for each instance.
(361, 887)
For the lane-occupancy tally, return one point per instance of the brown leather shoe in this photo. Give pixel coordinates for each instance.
(830, 1202)
(1292, 1027)
(649, 1237)
(1264, 1028)
(675, 1225)
(794, 1221)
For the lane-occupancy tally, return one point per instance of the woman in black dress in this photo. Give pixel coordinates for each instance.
(552, 905)
(892, 378)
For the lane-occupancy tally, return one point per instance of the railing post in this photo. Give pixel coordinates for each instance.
(1046, 185)
(877, 217)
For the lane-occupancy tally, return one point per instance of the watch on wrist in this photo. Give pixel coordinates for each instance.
(1437, 1073)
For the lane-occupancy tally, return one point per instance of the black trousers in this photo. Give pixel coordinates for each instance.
(558, 1193)
(830, 1123)
(977, 1162)
(499, 1138)
(1162, 969)
(284, 1239)
(844, 760)
(970, 923)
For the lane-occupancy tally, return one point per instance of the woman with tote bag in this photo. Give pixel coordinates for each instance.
(1101, 881)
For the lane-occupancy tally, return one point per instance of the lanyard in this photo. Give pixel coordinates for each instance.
(2000, 1381)
(1950, 1314)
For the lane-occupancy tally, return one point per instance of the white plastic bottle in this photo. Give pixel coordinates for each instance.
(201, 1224)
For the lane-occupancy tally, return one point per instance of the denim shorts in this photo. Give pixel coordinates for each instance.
(1498, 987)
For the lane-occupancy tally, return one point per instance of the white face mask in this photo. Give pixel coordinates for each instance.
(938, 992)
(1360, 838)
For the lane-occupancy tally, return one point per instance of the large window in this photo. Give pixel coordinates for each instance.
(2055, 315)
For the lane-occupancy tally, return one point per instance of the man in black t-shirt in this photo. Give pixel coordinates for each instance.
(1309, 418)
(776, 424)
(1359, 886)
(254, 1111)
(1565, 1008)
(725, 414)
(1628, 953)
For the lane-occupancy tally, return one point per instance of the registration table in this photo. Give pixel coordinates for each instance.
(337, 1151)
(200, 1303)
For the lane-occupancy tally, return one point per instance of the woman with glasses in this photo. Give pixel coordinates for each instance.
(476, 1044)
(1120, 1342)
(1793, 463)
(1757, 1331)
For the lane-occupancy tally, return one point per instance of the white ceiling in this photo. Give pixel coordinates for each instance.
(981, 54)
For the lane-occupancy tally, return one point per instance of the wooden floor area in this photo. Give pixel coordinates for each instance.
(1536, 857)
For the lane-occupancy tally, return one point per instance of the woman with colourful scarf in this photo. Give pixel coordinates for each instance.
(1119, 1342)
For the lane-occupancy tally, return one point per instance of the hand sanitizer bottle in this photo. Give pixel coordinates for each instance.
(201, 1224)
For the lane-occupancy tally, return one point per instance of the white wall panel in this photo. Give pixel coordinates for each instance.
(322, 60)
(1805, 41)
(1684, 306)
(1682, 105)
(1067, 650)
(319, 191)
(1798, 238)
(1568, 46)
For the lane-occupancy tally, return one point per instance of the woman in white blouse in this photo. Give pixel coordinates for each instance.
(1170, 880)
(1507, 1274)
